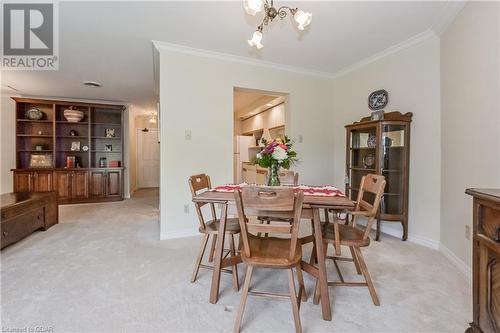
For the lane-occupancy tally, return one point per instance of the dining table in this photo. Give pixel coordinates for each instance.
(312, 206)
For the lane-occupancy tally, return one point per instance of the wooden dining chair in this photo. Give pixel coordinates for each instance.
(210, 228)
(289, 178)
(351, 235)
(270, 252)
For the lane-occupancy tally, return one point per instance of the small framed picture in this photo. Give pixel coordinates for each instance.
(108, 148)
(377, 115)
(75, 146)
(109, 132)
(40, 160)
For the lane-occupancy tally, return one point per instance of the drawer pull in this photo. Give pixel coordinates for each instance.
(5, 233)
(497, 238)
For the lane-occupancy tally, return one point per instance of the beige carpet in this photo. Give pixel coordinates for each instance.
(103, 269)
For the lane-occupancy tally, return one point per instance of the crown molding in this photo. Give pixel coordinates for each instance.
(390, 50)
(451, 12)
(170, 47)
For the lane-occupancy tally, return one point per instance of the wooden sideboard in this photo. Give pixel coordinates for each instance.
(486, 261)
(74, 185)
(23, 213)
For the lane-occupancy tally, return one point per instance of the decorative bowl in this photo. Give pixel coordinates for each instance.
(72, 115)
(34, 114)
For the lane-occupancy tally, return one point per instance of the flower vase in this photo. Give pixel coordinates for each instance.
(273, 178)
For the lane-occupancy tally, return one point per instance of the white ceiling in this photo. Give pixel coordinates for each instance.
(110, 42)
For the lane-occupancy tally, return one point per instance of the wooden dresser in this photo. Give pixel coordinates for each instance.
(486, 261)
(23, 213)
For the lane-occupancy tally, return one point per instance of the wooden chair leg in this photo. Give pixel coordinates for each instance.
(204, 242)
(243, 301)
(316, 288)
(212, 248)
(366, 274)
(236, 284)
(302, 287)
(295, 303)
(355, 259)
(314, 259)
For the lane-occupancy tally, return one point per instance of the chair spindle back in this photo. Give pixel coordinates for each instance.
(198, 183)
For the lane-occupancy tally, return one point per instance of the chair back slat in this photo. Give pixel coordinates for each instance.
(197, 184)
(288, 177)
(374, 184)
(271, 202)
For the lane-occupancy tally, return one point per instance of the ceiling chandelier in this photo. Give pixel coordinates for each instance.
(253, 7)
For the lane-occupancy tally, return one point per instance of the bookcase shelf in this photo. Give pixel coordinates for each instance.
(53, 133)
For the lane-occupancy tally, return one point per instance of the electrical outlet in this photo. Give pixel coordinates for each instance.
(186, 209)
(187, 135)
(467, 232)
(301, 139)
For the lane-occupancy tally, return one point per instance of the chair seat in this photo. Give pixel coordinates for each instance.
(271, 252)
(349, 236)
(212, 227)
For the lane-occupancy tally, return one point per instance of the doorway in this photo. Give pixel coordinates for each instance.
(259, 117)
(148, 158)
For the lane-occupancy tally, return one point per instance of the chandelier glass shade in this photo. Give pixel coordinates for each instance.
(252, 7)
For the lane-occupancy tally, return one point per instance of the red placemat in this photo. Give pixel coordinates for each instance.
(319, 191)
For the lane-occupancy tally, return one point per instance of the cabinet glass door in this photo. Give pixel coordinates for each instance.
(362, 157)
(393, 153)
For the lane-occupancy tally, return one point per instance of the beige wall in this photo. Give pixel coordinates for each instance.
(411, 76)
(196, 94)
(8, 142)
(470, 118)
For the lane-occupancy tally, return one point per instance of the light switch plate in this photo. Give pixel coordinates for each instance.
(301, 139)
(187, 135)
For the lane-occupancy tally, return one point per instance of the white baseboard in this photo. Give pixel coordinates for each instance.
(164, 235)
(457, 262)
(398, 233)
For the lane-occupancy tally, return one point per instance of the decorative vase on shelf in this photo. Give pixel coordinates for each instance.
(72, 115)
(34, 114)
(273, 178)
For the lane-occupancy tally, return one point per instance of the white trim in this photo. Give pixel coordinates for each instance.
(165, 46)
(171, 47)
(390, 50)
(178, 234)
(451, 12)
(457, 262)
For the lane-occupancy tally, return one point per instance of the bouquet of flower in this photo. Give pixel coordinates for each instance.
(276, 154)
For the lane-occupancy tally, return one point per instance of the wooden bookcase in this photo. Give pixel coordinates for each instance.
(52, 136)
(381, 147)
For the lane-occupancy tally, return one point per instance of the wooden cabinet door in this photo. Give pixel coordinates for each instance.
(23, 181)
(97, 183)
(80, 185)
(489, 290)
(113, 183)
(62, 185)
(42, 181)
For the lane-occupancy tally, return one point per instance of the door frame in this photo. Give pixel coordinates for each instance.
(138, 130)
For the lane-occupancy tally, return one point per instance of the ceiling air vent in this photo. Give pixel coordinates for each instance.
(92, 84)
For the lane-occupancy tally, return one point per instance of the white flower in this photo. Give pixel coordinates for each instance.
(279, 154)
(259, 155)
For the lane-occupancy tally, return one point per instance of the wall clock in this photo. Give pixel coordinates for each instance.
(378, 99)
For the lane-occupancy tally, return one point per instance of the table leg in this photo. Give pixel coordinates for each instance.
(219, 251)
(322, 280)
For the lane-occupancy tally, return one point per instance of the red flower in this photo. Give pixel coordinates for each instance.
(285, 147)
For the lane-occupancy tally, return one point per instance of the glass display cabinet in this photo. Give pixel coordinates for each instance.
(381, 147)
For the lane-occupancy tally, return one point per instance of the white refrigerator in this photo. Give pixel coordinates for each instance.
(241, 155)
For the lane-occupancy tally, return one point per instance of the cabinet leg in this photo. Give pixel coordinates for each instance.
(377, 236)
(405, 229)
